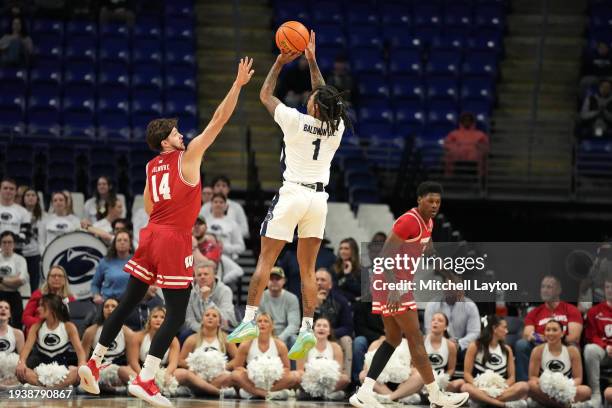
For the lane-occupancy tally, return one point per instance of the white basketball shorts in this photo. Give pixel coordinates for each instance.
(296, 205)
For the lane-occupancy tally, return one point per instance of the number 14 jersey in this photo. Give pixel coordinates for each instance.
(176, 202)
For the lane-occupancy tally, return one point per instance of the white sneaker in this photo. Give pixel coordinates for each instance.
(362, 399)
(383, 398)
(517, 404)
(335, 396)
(282, 395)
(228, 392)
(448, 399)
(245, 395)
(148, 392)
(411, 399)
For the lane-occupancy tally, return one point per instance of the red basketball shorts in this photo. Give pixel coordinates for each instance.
(164, 257)
(380, 294)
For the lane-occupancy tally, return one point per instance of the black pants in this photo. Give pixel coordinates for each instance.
(33, 263)
(176, 301)
(14, 299)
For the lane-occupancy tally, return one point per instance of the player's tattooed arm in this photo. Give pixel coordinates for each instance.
(316, 79)
(266, 94)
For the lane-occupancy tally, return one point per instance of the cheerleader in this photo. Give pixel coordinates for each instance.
(210, 337)
(394, 390)
(442, 352)
(49, 342)
(139, 348)
(556, 356)
(266, 345)
(327, 349)
(116, 353)
(11, 344)
(489, 352)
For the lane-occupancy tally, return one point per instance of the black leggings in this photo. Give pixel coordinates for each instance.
(176, 301)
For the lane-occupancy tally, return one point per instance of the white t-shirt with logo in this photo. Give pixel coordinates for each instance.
(308, 148)
(13, 266)
(53, 226)
(12, 216)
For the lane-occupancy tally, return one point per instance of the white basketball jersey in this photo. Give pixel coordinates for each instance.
(308, 148)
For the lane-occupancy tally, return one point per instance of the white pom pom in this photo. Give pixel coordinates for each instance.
(264, 371)
(207, 364)
(397, 369)
(109, 376)
(8, 364)
(51, 374)
(491, 383)
(442, 378)
(320, 377)
(168, 388)
(558, 387)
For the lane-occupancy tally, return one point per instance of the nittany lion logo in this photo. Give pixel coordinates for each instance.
(5, 270)
(61, 227)
(6, 216)
(556, 366)
(435, 359)
(4, 345)
(80, 263)
(495, 360)
(51, 339)
(113, 346)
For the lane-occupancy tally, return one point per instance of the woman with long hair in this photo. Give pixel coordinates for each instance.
(60, 222)
(110, 280)
(49, 341)
(556, 356)
(56, 283)
(210, 337)
(116, 353)
(94, 208)
(16, 45)
(266, 345)
(31, 250)
(489, 352)
(347, 269)
(326, 348)
(139, 348)
(11, 342)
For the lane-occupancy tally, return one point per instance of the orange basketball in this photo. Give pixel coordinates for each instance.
(292, 36)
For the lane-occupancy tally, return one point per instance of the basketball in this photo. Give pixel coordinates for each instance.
(292, 36)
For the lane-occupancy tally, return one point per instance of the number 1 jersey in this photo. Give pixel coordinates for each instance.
(176, 202)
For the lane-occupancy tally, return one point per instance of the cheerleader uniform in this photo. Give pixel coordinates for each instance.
(213, 345)
(437, 357)
(498, 362)
(144, 350)
(52, 346)
(314, 354)
(557, 364)
(8, 344)
(115, 353)
(255, 352)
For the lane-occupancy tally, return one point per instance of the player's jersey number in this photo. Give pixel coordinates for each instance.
(163, 189)
(317, 145)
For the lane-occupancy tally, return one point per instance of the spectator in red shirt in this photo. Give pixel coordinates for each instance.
(535, 322)
(466, 144)
(598, 350)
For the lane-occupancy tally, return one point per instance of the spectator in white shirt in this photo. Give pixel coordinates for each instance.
(12, 215)
(233, 210)
(94, 208)
(224, 227)
(13, 275)
(113, 210)
(59, 223)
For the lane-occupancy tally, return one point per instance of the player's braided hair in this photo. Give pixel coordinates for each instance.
(332, 107)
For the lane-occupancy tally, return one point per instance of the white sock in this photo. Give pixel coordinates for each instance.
(150, 367)
(307, 323)
(433, 389)
(368, 385)
(98, 354)
(250, 313)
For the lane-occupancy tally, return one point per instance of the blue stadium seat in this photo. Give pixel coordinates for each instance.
(145, 107)
(481, 109)
(364, 37)
(44, 121)
(477, 89)
(372, 87)
(114, 30)
(12, 119)
(360, 195)
(47, 26)
(15, 76)
(448, 42)
(147, 76)
(79, 73)
(425, 35)
(180, 53)
(427, 14)
(367, 61)
(375, 114)
(480, 64)
(405, 62)
(446, 63)
(178, 98)
(81, 48)
(114, 74)
(410, 116)
(288, 11)
(44, 100)
(86, 28)
(79, 122)
(48, 48)
(408, 88)
(147, 28)
(375, 130)
(179, 8)
(45, 76)
(362, 14)
(180, 78)
(330, 36)
(147, 51)
(458, 14)
(78, 94)
(326, 57)
(396, 14)
(442, 112)
(113, 123)
(486, 40)
(114, 50)
(398, 37)
(359, 178)
(441, 88)
(174, 108)
(147, 95)
(489, 15)
(181, 33)
(325, 12)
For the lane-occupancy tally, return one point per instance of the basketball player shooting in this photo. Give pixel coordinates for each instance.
(172, 197)
(411, 234)
(309, 144)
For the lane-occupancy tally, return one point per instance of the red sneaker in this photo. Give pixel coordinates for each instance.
(90, 375)
(148, 391)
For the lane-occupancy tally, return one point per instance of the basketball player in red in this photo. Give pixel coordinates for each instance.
(411, 236)
(172, 197)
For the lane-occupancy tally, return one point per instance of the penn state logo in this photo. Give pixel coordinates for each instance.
(61, 227)
(113, 346)
(556, 366)
(210, 348)
(51, 339)
(5, 270)
(495, 360)
(215, 227)
(435, 359)
(80, 263)
(4, 345)
(5, 216)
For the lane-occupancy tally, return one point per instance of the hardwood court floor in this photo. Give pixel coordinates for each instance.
(121, 402)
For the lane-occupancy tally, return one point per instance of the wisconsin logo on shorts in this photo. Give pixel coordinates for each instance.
(188, 261)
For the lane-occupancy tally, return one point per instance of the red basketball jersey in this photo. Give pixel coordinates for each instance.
(415, 232)
(176, 202)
